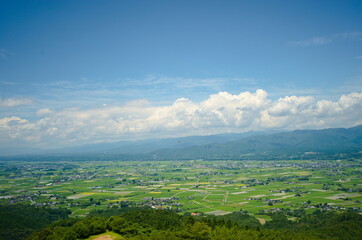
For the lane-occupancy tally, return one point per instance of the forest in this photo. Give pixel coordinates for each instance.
(34, 223)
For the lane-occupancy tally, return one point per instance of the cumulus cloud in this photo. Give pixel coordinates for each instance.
(290, 105)
(15, 127)
(13, 102)
(222, 112)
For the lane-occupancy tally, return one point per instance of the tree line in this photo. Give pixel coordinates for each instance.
(149, 224)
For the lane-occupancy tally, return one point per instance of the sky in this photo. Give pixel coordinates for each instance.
(76, 72)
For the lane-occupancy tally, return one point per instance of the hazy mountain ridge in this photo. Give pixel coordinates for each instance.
(327, 141)
(136, 146)
(250, 145)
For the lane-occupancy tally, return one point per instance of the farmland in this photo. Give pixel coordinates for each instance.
(211, 187)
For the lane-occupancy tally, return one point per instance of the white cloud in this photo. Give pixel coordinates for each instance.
(290, 105)
(323, 40)
(13, 102)
(7, 83)
(15, 127)
(4, 53)
(316, 41)
(44, 112)
(304, 112)
(6, 122)
(353, 35)
(222, 112)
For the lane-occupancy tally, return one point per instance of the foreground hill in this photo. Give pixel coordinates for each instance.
(160, 224)
(18, 221)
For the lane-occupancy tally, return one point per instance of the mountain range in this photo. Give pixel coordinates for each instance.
(306, 143)
(249, 145)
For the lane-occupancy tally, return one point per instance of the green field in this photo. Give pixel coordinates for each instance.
(213, 187)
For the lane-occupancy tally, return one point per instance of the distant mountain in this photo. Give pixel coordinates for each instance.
(151, 145)
(130, 147)
(300, 142)
(15, 151)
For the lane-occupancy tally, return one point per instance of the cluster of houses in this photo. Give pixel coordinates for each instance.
(161, 203)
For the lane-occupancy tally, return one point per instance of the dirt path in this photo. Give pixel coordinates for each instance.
(262, 220)
(104, 237)
(225, 200)
(107, 236)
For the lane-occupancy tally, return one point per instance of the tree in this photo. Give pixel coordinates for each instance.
(198, 231)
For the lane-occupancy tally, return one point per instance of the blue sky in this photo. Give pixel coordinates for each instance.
(122, 59)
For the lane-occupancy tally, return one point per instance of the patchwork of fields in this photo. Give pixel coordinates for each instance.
(214, 187)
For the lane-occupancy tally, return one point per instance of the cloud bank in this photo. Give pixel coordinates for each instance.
(219, 113)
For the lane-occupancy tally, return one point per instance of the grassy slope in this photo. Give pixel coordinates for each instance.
(106, 236)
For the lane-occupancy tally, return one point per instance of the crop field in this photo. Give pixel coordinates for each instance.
(211, 187)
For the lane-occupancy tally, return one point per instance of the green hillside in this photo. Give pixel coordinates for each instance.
(165, 225)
